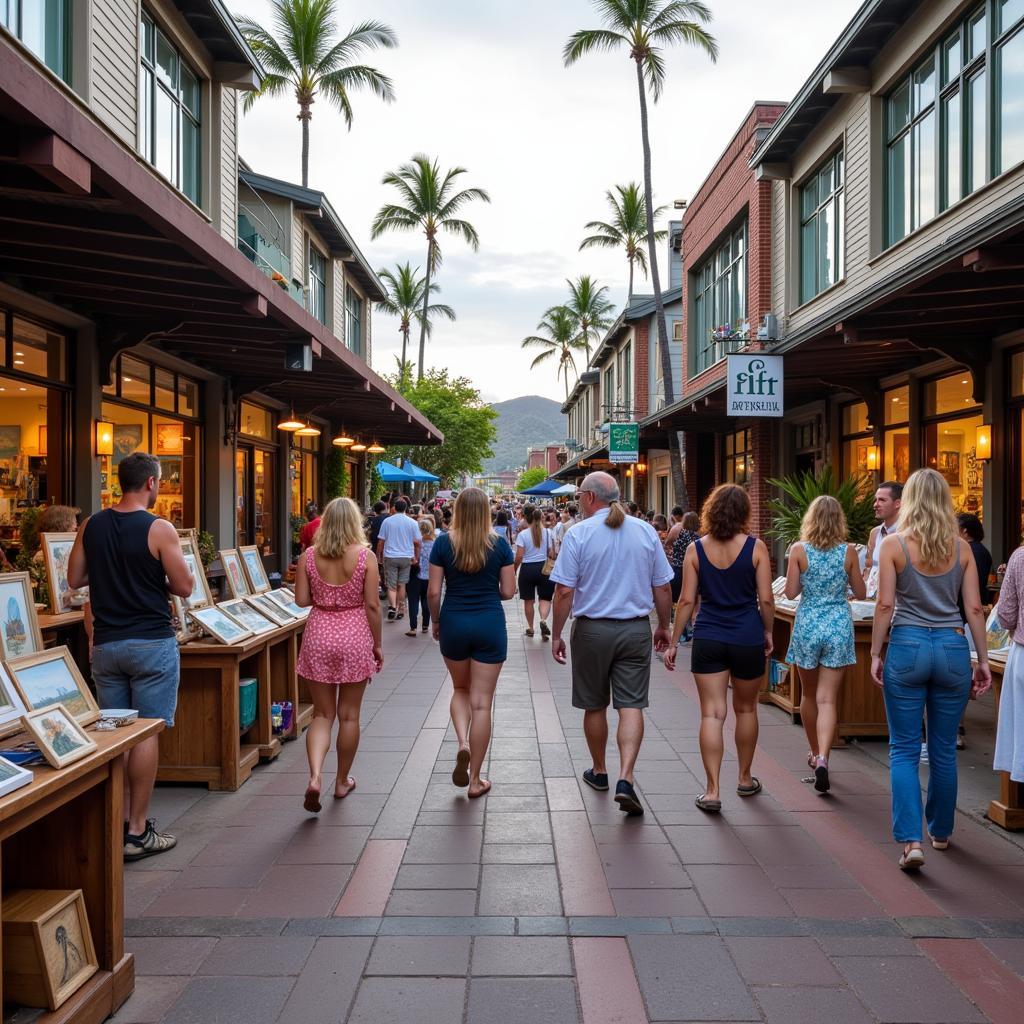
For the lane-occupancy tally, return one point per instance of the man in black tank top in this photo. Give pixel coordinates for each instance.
(131, 560)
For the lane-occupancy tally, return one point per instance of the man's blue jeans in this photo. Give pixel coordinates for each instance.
(924, 669)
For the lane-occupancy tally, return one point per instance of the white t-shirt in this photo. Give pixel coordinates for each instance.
(531, 552)
(400, 533)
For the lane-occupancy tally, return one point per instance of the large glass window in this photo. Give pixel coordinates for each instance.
(317, 284)
(952, 419)
(304, 471)
(1009, 74)
(44, 26)
(896, 456)
(821, 228)
(720, 302)
(856, 439)
(169, 111)
(353, 320)
(625, 397)
(738, 458)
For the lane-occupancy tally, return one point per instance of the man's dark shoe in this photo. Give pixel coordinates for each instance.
(626, 798)
(596, 781)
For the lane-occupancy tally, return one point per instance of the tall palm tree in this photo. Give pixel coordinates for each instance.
(627, 228)
(559, 338)
(302, 54)
(588, 304)
(428, 201)
(405, 290)
(644, 28)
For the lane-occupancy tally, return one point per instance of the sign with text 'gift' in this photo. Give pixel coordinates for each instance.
(623, 442)
(754, 385)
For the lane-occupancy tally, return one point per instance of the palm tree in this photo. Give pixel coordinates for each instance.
(627, 228)
(559, 337)
(588, 304)
(643, 28)
(428, 201)
(404, 299)
(302, 55)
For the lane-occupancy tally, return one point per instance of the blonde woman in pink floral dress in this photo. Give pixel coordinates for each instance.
(341, 646)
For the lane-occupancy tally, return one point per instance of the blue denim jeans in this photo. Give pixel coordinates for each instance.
(924, 669)
(139, 674)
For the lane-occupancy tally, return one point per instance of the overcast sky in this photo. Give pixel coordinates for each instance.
(480, 84)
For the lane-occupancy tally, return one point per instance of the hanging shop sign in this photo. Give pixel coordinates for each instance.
(623, 442)
(754, 385)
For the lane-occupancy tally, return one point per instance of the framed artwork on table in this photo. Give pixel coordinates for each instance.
(238, 582)
(254, 570)
(13, 776)
(19, 625)
(51, 677)
(201, 596)
(59, 737)
(56, 551)
(287, 602)
(220, 625)
(12, 707)
(272, 610)
(248, 616)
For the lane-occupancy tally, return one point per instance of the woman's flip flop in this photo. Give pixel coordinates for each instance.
(753, 789)
(460, 776)
(707, 805)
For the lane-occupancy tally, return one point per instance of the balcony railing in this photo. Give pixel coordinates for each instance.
(616, 414)
(263, 240)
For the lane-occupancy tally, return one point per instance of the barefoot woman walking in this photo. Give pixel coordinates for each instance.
(341, 646)
(475, 566)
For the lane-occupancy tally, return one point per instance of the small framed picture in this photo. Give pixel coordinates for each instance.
(12, 776)
(254, 570)
(50, 678)
(287, 601)
(56, 551)
(170, 438)
(201, 596)
(19, 626)
(238, 582)
(220, 625)
(244, 613)
(271, 609)
(12, 707)
(59, 737)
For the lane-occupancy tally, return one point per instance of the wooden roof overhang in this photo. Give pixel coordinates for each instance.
(89, 226)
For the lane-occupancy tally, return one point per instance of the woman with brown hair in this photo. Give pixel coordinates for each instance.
(821, 566)
(731, 572)
(534, 546)
(475, 566)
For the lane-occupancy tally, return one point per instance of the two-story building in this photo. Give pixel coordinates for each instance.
(134, 316)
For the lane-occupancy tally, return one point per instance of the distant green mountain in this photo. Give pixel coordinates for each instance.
(522, 422)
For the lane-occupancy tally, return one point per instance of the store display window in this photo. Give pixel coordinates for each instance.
(739, 458)
(857, 439)
(896, 457)
(953, 418)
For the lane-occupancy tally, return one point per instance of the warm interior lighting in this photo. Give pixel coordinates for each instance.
(307, 430)
(104, 438)
(983, 441)
(358, 447)
(343, 441)
(874, 457)
(641, 467)
(291, 423)
(376, 448)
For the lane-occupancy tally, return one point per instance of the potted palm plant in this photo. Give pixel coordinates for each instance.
(855, 494)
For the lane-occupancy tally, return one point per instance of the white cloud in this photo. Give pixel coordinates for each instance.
(480, 84)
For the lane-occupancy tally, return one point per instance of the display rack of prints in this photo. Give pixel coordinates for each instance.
(273, 611)
(252, 561)
(220, 625)
(248, 616)
(49, 678)
(201, 596)
(287, 602)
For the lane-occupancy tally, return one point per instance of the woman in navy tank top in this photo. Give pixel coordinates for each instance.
(730, 572)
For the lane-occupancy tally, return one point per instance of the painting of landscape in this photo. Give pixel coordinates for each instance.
(49, 683)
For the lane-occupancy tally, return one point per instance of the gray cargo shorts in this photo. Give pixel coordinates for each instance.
(611, 659)
(396, 570)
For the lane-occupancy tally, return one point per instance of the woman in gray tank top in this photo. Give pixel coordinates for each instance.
(923, 570)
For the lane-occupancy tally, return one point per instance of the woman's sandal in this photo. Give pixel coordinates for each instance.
(912, 860)
(529, 632)
(753, 789)
(939, 844)
(411, 632)
(351, 786)
(311, 801)
(460, 776)
(485, 788)
(708, 805)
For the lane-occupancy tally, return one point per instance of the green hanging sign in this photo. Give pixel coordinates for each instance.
(623, 442)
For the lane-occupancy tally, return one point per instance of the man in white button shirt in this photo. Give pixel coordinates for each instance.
(398, 544)
(887, 508)
(611, 571)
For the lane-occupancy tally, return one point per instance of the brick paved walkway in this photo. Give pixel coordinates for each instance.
(409, 903)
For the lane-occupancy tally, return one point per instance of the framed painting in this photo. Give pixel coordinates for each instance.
(220, 625)
(949, 467)
(13, 776)
(287, 602)
(12, 707)
(127, 439)
(19, 626)
(201, 596)
(56, 551)
(254, 570)
(59, 737)
(244, 613)
(42, 441)
(238, 582)
(169, 438)
(10, 441)
(272, 610)
(50, 678)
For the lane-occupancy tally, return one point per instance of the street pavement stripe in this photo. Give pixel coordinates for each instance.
(403, 805)
(369, 888)
(439, 714)
(537, 666)
(549, 728)
(609, 993)
(564, 794)
(989, 984)
(584, 888)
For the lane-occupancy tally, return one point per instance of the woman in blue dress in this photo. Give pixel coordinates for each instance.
(821, 567)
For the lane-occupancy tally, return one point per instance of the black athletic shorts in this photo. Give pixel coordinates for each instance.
(533, 584)
(741, 661)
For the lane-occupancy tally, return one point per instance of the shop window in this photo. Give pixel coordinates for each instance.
(304, 471)
(856, 439)
(807, 445)
(720, 302)
(169, 111)
(32, 444)
(35, 349)
(163, 389)
(949, 395)
(821, 228)
(135, 381)
(896, 454)
(44, 26)
(949, 448)
(739, 458)
(255, 421)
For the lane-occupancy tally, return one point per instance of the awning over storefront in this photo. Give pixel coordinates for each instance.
(393, 475)
(564, 490)
(543, 489)
(418, 474)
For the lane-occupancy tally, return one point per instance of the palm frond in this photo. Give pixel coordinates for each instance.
(336, 85)
(590, 41)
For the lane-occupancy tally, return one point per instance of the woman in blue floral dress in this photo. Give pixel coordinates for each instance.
(821, 567)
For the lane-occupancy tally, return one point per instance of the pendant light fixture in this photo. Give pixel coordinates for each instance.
(291, 423)
(358, 447)
(307, 430)
(376, 448)
(343, 440)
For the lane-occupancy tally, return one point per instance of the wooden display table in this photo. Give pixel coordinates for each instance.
(860, 708)
(1008, 811)
(54, 622)
(207, 743)
(64, 831)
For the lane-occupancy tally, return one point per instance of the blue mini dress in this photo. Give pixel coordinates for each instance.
(823, 630)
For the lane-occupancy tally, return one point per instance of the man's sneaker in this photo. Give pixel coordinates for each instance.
(626, 798)
(148, 844)
(595, 780)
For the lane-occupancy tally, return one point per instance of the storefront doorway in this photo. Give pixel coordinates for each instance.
(255, 493)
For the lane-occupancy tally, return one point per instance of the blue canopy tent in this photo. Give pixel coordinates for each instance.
(393, 475)
(543, 489)
(419, 475)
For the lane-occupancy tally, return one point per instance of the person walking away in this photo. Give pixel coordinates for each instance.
(398, 547)
(131, 560)
(419, 579)
(475, 567)
(308, 531)
(502, 527)
(887, 509)
(689, 531)
(611, 571)
(731, 573)
(534, 546)
(565, 520)
(380, 513)
(973, 533)
(341, 647)
(923, 569)
(1009, 751)
(821, 567)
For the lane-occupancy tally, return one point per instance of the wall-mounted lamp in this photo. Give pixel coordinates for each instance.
(629, 472)
(641, 467)
(874, 457)
(104, 438)
(983, 442)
